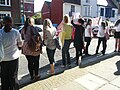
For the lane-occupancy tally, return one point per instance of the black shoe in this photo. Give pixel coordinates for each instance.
(117, 73)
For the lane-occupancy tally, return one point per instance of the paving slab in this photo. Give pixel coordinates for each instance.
(109, 87)
(105, 68)
(90, 81)
(116, 82)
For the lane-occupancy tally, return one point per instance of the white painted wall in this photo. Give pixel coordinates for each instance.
(95, 9)
(67, 8)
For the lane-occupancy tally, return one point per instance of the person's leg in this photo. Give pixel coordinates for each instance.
(13, 75)
(30, 65)
(77, 55)
(67, 52)
(88, 40)
(64, 54)
(119, 45)
(4, 76)
(104, 41)
(36, 64)
(99, 41)
(50, 54)
(116, 44)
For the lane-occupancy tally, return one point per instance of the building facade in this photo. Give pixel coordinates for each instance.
(10, 8)
(100, 8)
(58, 8)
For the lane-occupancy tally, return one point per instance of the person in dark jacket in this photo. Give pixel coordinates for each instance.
(78, 38)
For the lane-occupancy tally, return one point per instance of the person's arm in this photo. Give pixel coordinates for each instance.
(60, 26)
(73, 22)
(19, 41)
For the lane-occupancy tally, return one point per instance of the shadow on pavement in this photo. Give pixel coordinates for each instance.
(118, 68)
(86, 61)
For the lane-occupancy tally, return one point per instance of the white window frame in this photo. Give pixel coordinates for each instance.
(6, 13)
(6, 3)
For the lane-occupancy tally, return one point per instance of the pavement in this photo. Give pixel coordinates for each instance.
(96, 72)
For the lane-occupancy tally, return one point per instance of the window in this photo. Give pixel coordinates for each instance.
(102, 12)
(5, 2)
(87, 11)
(108, 12)
(113, 13)
(3, 14)
(29, 9)
(72, 8)
(87, 1)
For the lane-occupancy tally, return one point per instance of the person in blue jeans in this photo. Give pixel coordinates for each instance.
(67, 28)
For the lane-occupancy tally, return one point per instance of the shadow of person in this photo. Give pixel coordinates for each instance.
(118, 68)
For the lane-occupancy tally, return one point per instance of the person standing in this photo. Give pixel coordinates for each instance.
(101, 38)
(32, 56)
(11, 40)
(49, 32)
(67, 27)
(78, 38)
(88, 35)
(117, 36)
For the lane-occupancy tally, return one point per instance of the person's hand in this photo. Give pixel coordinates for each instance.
(72, 17)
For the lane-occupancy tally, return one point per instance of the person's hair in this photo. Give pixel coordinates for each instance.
(81, 21)
(88, 22)
(66, 18)
(47, 23)
(27, 23)
(103, 25)
(106, 23)
(117, 22)
(7, 19)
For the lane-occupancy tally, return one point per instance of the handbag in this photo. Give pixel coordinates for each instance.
(57, 43)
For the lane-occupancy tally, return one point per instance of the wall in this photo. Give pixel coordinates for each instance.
(67, 8)
(56, 11)
(45, 11)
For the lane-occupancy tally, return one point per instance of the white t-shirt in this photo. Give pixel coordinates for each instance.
(101, 32)
(10, 41)
(118, 28)
(87, 34)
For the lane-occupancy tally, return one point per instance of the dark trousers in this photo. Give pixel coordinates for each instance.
(103, 40)
(9, 73)
(33, 64)
(88, 40)
(50, 54)
(65, 52)
(78, 53)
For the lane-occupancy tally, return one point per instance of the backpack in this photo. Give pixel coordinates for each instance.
(35, 41)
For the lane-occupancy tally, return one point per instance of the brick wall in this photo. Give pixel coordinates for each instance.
(45, 11)
(56, 11)
(15, 10)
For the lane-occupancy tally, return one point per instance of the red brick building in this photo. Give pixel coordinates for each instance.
(46, 10)
(29, 7)
(10, 8)
(58, 8)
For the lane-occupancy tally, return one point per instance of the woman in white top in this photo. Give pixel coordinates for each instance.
(101, 37)
(11, 40)
(88, 35)
(49, 32)
(117, 35)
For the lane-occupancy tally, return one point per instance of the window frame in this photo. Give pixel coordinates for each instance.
(7, 3)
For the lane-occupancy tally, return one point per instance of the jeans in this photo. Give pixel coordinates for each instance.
(33, 64)
(50, 54)
(9, 73)
(103, 40)
(65, 52)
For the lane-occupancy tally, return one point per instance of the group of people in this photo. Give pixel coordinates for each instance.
(12, 43)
